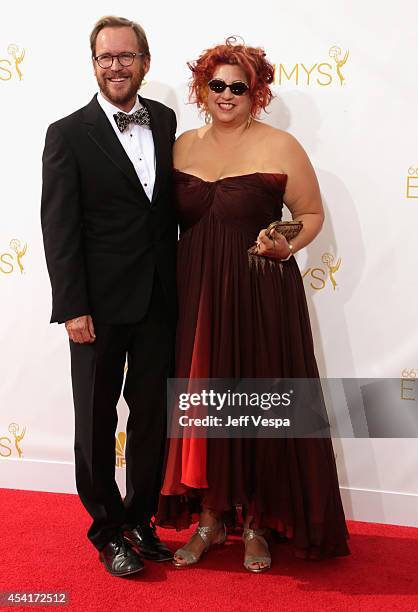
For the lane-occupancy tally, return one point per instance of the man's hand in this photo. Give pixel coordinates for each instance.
(81, 329)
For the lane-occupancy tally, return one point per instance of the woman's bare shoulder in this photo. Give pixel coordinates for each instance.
(284, 147)
(186, 142)
(185, 138)
(277, 137)
(189, 137)
(182, 145)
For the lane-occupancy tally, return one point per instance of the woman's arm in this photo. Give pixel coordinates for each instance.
(302, 197)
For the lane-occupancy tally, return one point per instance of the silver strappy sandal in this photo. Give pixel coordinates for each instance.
(257, 534)
(189, 557)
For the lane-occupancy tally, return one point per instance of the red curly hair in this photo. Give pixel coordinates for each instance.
(252, 60)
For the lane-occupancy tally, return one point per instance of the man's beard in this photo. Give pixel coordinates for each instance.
(127, 95)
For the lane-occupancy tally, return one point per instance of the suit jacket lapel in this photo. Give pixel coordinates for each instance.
(102, 133)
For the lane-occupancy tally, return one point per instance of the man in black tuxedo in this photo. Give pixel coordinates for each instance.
(110, 241)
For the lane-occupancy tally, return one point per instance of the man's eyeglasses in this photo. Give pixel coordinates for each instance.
(125, 59)
(238, 88)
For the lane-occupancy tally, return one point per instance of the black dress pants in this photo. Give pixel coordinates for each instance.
(97, 372)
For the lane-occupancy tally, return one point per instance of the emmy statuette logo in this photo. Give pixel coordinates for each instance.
(120, 442)
(322, 73)
(412, 183)
(11, 261)
(318, 276)
(11, 445)
(10, 68)
(336, 54)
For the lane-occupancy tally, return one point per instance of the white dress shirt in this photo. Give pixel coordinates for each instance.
(138, 143)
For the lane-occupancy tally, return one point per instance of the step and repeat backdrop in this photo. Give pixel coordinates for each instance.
(345, 86)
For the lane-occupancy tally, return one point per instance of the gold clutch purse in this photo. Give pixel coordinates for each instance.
(288, 229)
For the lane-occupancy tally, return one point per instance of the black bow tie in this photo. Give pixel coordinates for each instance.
(140, 117)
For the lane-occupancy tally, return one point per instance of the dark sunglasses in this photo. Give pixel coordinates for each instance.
(238, 88)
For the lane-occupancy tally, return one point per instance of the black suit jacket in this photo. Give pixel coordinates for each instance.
(103, 239)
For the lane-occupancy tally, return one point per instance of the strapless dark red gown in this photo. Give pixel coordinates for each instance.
(238, 321)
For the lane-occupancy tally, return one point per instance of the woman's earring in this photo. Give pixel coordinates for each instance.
(249, 121)
(208, 117)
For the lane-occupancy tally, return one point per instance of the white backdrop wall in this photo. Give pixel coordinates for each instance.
(360, 131)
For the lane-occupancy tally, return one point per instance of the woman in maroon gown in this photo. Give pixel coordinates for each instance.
(240, 321)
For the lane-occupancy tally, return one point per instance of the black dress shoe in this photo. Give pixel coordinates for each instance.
(145, 540)
(119, 559)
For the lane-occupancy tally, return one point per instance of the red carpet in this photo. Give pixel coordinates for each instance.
(44, 548)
